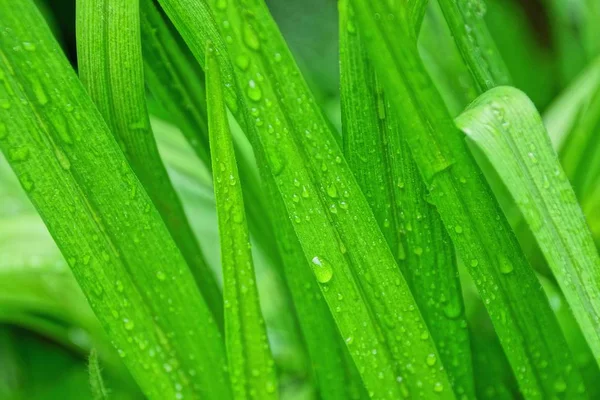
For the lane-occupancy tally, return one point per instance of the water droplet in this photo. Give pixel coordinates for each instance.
(277, 57)
(242, 61)
(253, 91)
(161, 276)
(322, 269)
(560, 385)
(18, 154)
(5, 104)
(504, 265)
(349, 340)
(431, 359)
(62, 158)
(458, 229)
(129, 325)
(438, 387)
(28, 46)
(221, 4)
(250, 37)
(26, 182)
(474, 262)
(418, 251)
(332, 191)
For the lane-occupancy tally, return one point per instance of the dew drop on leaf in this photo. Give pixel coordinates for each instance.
(322, 269)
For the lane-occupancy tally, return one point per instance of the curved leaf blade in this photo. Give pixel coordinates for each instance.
(529, 332)
(504, 123)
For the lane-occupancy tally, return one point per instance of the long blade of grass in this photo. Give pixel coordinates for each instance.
(108, 37)
(359, 278)
(104, 223)
(251, 364)
(528, 331)
(99, 391)
(506, 126)
(375, 148)
(474, 42)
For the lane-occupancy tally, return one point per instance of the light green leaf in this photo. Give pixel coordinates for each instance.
(251, 365)
(375, 149)
(562, 114)
(104, 223)
(529, 332)
(108, 37)
(506, 126)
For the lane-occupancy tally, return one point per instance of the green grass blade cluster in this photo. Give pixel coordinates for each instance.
(317, 186)
(98, 213)
(331, 370)
(528, 331)
(375, 149)
(251, 365)
(108, 37)
(506, 126)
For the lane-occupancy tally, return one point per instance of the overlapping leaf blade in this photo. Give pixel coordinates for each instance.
(104, 223)
(506, 126)
(529, 332)
(375, 149)
(108, 37)
(331, 217)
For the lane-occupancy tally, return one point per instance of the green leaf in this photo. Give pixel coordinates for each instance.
(580, 155)
(358, 275)
(375, 149)
(474, 42)
(250, 362)
(99, 391)
(107, 38)
(529, 332)
(104, 223)
(506, 126)
(562, 114)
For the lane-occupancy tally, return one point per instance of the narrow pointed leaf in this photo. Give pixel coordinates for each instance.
(99, 391)
(108, 37)
(474, 42)
(101, 218)
(251, 365)
(529, 332)
(506, 126)
(375, 148)
(359, 277)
